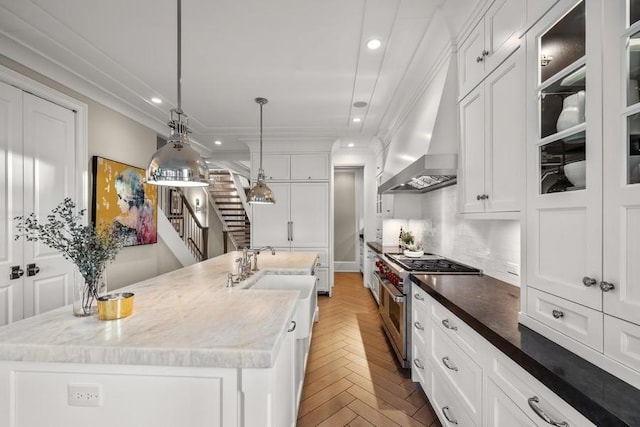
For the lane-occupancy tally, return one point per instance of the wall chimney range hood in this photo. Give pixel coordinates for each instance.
(430, 172)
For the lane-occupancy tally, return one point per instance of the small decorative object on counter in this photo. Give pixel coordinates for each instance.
(87, 246)
(406, 239)
(400, 239)
(115, 306)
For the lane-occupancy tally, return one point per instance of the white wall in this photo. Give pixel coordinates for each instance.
(485, 244)
(114, 136)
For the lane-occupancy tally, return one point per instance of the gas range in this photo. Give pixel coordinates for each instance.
(431, 264)
(393, 270)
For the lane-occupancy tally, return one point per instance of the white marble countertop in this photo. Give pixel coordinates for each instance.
(187, 317)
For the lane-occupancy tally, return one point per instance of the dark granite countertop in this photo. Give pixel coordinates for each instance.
(491, 308)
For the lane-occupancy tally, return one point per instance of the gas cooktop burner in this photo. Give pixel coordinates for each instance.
(430, 263)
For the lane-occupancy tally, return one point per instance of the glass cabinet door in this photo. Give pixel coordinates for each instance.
(633, 94)
(562, 98)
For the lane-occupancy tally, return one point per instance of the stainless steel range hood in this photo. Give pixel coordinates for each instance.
(430, 172)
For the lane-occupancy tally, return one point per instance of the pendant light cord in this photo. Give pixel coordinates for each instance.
(179, 109)
(261, 104)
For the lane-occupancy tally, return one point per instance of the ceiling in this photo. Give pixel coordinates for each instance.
(308, 57)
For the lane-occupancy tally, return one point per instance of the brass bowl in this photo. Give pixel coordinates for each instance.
(115, 306)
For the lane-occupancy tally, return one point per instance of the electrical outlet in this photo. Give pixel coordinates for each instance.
(84, 395)
(513, 268)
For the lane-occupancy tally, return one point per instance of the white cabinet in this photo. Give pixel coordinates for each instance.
(469, 382)
(370, 278)
(536, 10)
(528, 395)
(492, 141)
(582, 236)
(38, 153)
(292, 167)
(298, 219)
(492, 40)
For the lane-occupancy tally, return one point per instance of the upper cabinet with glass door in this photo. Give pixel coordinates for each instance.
(562, 100)
(633, 95)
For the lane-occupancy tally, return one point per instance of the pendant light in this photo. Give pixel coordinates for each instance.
(176, 163)
(260, 193)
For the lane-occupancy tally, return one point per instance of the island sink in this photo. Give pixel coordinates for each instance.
(307, 297)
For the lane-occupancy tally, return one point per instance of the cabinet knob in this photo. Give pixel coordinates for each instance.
(16, 272)
(293, 326)
(480, 59)
(32, 269)
(418, 326)
(418, 364)
(589, 281)
(482, 197)
(418, 297)
(557, 314)
(607, 286)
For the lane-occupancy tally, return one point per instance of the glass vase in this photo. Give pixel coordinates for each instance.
(85, 292)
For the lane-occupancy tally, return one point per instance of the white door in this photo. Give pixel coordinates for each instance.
(503, 25)
(10, 202)
(471, 59)
(270, 223)
(310, 215)
(49, 177)
(505, 136)
(309, 166)
(472, 150)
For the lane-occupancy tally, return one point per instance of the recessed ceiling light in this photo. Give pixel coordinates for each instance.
(156, 100)
(217, 142)
(360, 104)
(357, 120)
(374, 44)
(350, 145)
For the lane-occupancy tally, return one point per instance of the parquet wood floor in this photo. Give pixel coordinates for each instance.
(353, 378)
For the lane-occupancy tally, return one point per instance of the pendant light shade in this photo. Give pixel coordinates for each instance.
(176, 163)
(261, 193)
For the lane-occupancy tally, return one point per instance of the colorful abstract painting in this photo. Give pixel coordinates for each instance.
(122, 198)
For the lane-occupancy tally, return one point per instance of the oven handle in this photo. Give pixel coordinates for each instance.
(395, 294)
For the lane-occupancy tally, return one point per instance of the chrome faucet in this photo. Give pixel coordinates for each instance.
(256, 252)
(244, 264)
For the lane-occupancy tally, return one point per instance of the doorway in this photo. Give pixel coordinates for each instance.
(348, 217)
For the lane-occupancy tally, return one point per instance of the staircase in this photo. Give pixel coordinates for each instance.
(229, 200)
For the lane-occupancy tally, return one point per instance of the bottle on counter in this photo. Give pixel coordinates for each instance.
(400, 240)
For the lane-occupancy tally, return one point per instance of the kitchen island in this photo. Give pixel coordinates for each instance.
(194, 352)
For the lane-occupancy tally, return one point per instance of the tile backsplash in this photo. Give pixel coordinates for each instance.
(491, 245)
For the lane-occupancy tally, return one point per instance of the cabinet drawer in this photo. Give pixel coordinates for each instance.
(501, 411)
(622, 341)
(419, 361)
(419, 298)
(574, 320)
(446, 405)
(309, 167)
(461, 333)
(462, 373)
(420, 321)
(520, 386)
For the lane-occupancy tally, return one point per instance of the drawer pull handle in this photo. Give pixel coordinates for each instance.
(446, 412)
(533, 403)
(418, 364)
(589, 281)
(557, 314)
(418, 326)
(606, 286)
(447, 324)
(448, 364)
(418, 297)
(293, 328)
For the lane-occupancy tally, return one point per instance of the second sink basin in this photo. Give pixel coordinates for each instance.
(307, 299)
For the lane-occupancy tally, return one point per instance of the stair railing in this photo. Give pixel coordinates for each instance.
(182, 216)
(243, 198)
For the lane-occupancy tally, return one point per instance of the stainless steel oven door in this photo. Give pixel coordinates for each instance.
(392, 312)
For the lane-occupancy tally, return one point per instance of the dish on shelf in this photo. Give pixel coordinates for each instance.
(572, 112)
(576, 173)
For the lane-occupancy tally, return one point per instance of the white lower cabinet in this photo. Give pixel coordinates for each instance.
(501, 411)
(529, 395)
(472, 383)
